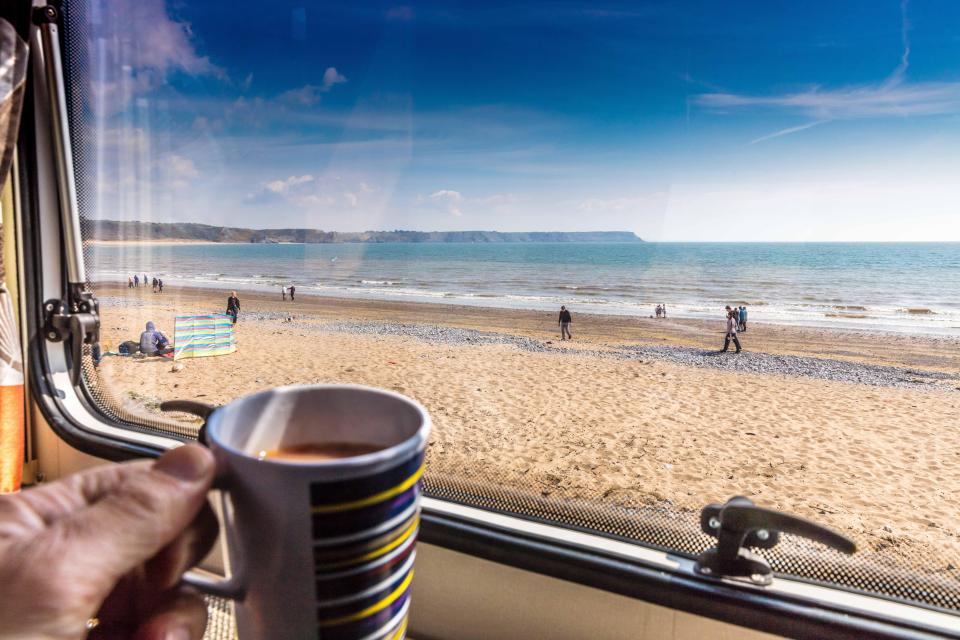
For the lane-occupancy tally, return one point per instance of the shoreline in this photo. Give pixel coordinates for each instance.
(585, 306)
(933, 352)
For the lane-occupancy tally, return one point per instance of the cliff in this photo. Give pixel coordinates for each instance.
(144, 231)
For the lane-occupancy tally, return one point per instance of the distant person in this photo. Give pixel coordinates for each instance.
(283, 292)
(233, 306)
(144, 279)
(742, 313)
(293, 290)
(160, 285)
(153, 342)
(658, 311)
(154, 283)
(136, 281)
(663, 310)
(565, 321)
(129, 282)
(731, 330)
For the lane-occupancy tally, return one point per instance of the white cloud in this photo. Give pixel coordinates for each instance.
(305, 96)
(449, 201)
(285, 185)
(894, 96)
(139, 47)
(330, 193)
(331, 77)
(788, 131)
(917, 99)
(180, 170)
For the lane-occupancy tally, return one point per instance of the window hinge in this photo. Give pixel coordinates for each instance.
(78, 320)
(738, 524)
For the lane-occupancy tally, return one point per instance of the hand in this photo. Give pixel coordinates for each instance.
(108, 543)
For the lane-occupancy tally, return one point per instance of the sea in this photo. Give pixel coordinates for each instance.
(905, 287)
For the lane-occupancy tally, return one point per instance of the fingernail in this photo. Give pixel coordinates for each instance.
(188, 463)
(177, 633)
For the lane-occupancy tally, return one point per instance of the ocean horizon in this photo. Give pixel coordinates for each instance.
(911, 287)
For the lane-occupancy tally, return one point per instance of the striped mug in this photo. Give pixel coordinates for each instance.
(319, 548)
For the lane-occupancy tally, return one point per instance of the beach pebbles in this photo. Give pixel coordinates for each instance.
(746, 362)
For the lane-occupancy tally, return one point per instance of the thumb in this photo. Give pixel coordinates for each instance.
(136, 518)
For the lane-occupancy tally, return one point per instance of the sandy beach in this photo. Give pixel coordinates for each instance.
(853, 429)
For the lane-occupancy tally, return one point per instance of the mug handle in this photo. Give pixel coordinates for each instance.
(232, 588)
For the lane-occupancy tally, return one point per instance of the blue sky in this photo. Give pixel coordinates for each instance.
(679, 121)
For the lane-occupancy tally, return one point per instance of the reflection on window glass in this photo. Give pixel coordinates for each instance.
(637, 257)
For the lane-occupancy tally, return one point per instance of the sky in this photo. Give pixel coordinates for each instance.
(679, 121)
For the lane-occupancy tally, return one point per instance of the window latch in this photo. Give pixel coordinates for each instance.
(739, 523)
(76, 320)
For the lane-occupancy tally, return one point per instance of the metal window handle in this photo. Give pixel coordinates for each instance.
(76, 318)
(739, 523)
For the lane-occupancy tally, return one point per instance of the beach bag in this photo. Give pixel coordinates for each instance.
(128, 348)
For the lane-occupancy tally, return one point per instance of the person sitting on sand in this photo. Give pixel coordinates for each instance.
(743, 318)
(565, 321)
(731, 331)
(233, 306)
(153, 342)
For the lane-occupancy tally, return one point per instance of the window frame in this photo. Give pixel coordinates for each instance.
(791, 607)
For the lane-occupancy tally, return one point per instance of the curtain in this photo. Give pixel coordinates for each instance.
(13, 70)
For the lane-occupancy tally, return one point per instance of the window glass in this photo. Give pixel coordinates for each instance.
(408, 196)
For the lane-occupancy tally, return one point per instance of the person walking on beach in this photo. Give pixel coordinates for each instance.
(160, 285)
(283, 292)
(731, 331)
(658, 311)
(154, 282)
(565, 321)
(663, 310)
(233, 306)
(743, 318)
(136, 281)
(293, 290)
(129, 283)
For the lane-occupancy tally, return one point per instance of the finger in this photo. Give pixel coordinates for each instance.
(132, 521)
(187, 550)
(182, 616)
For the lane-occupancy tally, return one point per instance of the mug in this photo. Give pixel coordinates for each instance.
(318, 548)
